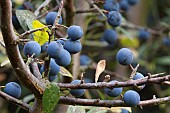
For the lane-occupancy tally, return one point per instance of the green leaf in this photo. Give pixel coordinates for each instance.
(165, 60)
(76, 109)
(25, 18)
(50, 98)
(125, 32)
(129, 42)
(98, 110)
(65, 72)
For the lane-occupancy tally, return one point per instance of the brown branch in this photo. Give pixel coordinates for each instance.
(110, 103)
(91, 2)
(133, 26)
(23, 35)
(21, 69)
(58, 15)
(15, 101)
(44, 14)
(32, 31)
(128, 83)
(92, 10)
(35, 70)
(44, 4)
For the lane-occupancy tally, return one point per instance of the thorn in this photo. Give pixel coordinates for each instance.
(107, 78)
(149, 75)
(82, 78)
(154, 96)
(140, 107)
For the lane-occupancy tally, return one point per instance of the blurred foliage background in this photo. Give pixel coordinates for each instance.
(152, 54)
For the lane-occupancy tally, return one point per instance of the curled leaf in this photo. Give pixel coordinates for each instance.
(100, 68)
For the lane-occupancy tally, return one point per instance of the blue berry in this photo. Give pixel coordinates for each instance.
(26, 6)
(13, 89)
(84, 60)
(125, 56)
(65, 59)
(77, 92)
(75, 32)
(114, 18)
(62, 41)
(138, 76)
(44, 47)
(133, 2)
(113, 92)
(50, 18)
(131, 98)
(124, 111)
(111, 5)
(73, 47)
(51, 78)
(110, 36)
(143, 35)
(124, 5)
(166, 41)
(32, 47)
(55, 49)
(54, 68)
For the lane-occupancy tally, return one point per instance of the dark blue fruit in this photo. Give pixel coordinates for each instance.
(84, 60)
(73, 47)
(13, 89)
(44, 47)
(114, 18)
(50, 18)
(62, 41)
(111, 5)
(113, 92)
(77, 92)
(110, 36)
(26, 6)
(32, 47)
(166, 41)
(125, 56)
(124, 5)
(131, 98)
(124, 111)
(54, 68)
(65, 59)
(51, 78)
(75, 32)
(143, 35)
(55, 49)
(138, 76)
(133, 2)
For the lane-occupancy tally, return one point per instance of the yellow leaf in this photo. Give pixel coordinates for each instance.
(128, 42)
(40, 36)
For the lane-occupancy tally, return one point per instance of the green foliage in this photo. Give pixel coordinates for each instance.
(50, 98)
(25, 18)
(76, 109)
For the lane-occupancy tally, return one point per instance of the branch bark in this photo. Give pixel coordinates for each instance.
(128, 83)
(21, 69)
(110, 103)
(15, 101)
